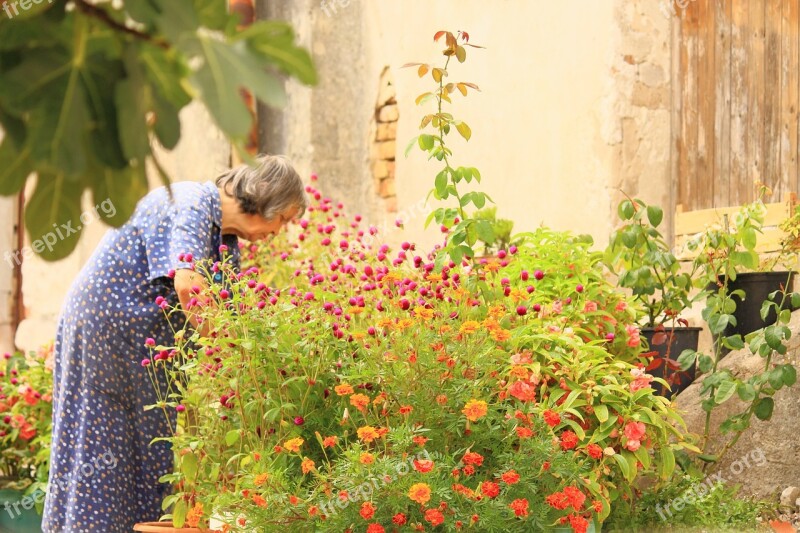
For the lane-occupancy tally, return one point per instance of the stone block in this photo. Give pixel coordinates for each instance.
(388, 113)
(387, 150)
(387, 131)
(387, 188)
(380, 169)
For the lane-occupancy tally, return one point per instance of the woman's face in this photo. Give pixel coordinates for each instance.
(256, 228)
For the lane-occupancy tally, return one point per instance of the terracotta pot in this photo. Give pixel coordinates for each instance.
(164, 527)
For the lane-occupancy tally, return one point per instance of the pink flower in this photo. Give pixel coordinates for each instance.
(590, 307)
(641, 383)
(633, 444)
(621, 306)
(521, 358)
(633, 336)
(634, 430)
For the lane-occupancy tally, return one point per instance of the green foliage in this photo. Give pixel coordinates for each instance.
(83, 91)
(463, 231)
(639, 256)
(496, 235)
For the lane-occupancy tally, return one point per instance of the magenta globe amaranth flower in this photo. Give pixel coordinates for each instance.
(299, 421)
(538, 274)
(522, 310)
(180, 408)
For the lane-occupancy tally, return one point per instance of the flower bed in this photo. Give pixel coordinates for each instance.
(372, 392)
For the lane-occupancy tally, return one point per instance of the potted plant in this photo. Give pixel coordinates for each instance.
(643, 263)
(26, 386)
(739, 283)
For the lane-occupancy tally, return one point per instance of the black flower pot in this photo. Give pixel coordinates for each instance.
(675, 341)
(757, 287)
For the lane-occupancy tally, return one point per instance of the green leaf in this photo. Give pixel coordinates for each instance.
(789, 374)
(227, 68)
(179, 513)
(232, 437)
(168, 123)
(724, 392)
(763, 409)
(464, 130)
(15, 162)
(749, 238)
(461, 55)
(746, 391)
(718, 323)
(687, 359)
(189, 465)
(275, 41)
(485, 231)
(601, 412)
(441, 184)
(654, 215)
(625, 210)
(132, 108)
(666, 463)
(117, 192)
(52, 216)
(426, 142)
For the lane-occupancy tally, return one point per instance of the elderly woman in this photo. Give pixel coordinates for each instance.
(104, 471)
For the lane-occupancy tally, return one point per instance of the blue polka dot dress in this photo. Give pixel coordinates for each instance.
(103, 470)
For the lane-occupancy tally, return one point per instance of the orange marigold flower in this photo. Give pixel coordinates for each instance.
(420, 440)
(330, 442)
(367, 433)
(194, 515)
(259, 500)
(473, 458)
(551, 418)
(519, 506)
(524, 433)
(510, 477)
(343, 389)
(579, 524)
(594, 451)
(558, 501)
(261, 479)
(375, 528)
(293, 445)
(490, 489)
(433, 276)
(366, 458)
(575, 497)
(293, 499)
(405, 409)
(360, 401)
(420, 493)
(470, 326)
(597, 505)
(423, 312)
(501, 335)
(475, 409)
(307, 465)
(469, 470)
(441, 399)
(423, 465)
(313, 510)
(520, 372)
(367, 510)
(399, 519)
(404, 323)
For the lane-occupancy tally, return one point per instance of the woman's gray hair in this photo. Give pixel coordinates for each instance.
(269, 189)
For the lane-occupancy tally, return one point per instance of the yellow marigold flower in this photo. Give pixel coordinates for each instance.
(367, 433)
(420, 493)
(293, 445)
(497, 311)
(433, 276)
(492, 266)
(343, 389)
(475, 409)
(404, 323)
(391, 276)
(307, 465)
(520, 372)
(366, 458)
(423, 312)
(385, 323)
(360, 401)
(261, 479)
(445, 328)
(380, 398)
(355, 310)
(518, 295)
(470, 326)
(491, 324)
(330, 442)
(358, 335)
(501, 335)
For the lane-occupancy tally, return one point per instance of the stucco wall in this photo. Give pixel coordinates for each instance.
(574, 105)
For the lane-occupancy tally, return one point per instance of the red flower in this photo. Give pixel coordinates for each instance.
(551, 418)
(597, 505)
(367, 510)
(568, 440)
(579, 524)
(490, 489)
(575, 497)
(524, 433)
(472, 458)
(522, 391)
(423, 466)
(434, 516)
(520, 507)
(399, 519)
(375, 528)
(594, 451)
(557, 500)
(635, 430)
(510, 477)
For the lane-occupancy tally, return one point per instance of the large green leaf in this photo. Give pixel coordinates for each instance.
(131, 98)
(275, 41)
(227, 68)
(117, 192)
(15, 163)
(52, 216)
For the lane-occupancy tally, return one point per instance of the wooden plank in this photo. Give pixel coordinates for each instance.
(772, 97)
(722, 112)
(740, 34)
(790, 72)
(675, 121)
(695, 221)
(707, 95)
(689, 69)
(744, 191)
